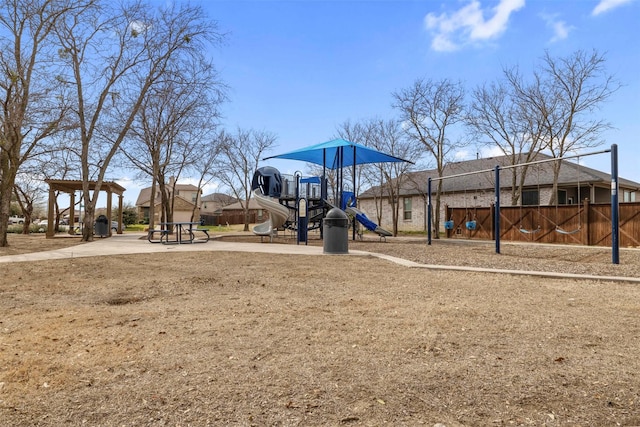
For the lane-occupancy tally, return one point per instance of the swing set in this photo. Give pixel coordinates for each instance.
(615, 221)
(558, 228)
(470, 220)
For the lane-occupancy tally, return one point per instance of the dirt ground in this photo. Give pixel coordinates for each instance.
(216, 338)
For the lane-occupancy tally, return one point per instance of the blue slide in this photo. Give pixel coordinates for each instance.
(369, 225)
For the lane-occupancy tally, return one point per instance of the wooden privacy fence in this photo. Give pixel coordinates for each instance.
(585, 224)
(231, 218)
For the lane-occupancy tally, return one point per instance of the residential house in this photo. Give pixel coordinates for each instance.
(211, 207)
(185, 200)
(575, 183)
(211, 204)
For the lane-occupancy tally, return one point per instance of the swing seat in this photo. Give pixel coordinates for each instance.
(561, 231)
(471, 225)
(448, 225)
(525, 231)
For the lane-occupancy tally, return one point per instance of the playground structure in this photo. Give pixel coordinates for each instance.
(307, 199)
(495, 217)
(300, 204)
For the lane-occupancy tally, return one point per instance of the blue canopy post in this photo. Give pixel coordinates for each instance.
(323, 190)
(353, 221)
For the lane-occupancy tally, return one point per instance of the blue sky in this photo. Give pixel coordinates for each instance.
(299, 68)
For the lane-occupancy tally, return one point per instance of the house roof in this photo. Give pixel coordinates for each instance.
(253, 204)
(223, 199)
(537, 175)
(145, 194)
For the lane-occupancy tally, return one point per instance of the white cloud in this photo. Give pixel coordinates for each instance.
(607, 5)
(491, 151)
(468, 24)
(462, 155)
(560, 28)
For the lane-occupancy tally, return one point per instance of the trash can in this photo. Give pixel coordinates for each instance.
(102, 226)
(336, 232)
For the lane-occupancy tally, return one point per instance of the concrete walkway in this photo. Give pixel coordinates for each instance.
(136, 243)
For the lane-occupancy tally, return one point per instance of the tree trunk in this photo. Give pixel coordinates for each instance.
(553, 199)
(9, 154)
(436, 214)
(89, 217)
(5, 207)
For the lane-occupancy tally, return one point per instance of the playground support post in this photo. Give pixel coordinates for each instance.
(496, 220)
(429, 211)
(615, 219)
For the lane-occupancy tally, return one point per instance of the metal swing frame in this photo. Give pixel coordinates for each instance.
(615, 215)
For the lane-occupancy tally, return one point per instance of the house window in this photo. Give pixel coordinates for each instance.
(629, 196)
(530, 198)
(406, 203)
(194, 197)
(563, 199)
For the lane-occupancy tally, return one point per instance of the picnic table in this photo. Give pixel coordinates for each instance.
(177, 233)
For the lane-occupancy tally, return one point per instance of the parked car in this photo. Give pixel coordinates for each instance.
(16, 219)
(43, 224)
(114, 225)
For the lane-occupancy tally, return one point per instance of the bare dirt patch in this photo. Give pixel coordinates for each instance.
(211, 338)
(27, 243)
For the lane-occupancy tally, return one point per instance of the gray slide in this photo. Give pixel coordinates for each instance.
(278, 214)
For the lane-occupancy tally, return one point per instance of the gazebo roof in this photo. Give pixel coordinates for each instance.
(71, 185)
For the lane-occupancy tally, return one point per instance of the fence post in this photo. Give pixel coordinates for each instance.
(586, 219)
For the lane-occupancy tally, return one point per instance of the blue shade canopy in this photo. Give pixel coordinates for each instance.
(328, 154)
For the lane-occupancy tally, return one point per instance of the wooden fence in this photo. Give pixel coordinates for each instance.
(230, 218)
(586, 224)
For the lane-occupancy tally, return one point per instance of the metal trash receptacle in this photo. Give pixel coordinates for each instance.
(102, 226)
(336, 232)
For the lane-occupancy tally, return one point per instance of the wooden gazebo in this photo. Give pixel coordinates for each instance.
(70, 187)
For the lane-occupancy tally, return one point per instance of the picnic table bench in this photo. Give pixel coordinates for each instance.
(172, 233)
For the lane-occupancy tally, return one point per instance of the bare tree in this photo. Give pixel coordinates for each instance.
(497, 118)
(367, 174)
(167, 136)
(238, 159)
(57, 164)
(387, 136)
(565, 95)
(205, 167)
(115, 54)
(429, 110)
(32, 104)
(29, 192)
